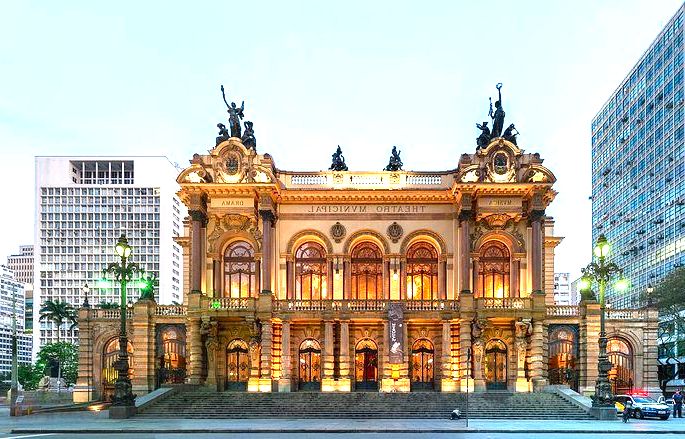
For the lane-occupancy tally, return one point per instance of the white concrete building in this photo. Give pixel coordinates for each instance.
(11, 305)
(83, 205)
(562, 290)
(21, 264)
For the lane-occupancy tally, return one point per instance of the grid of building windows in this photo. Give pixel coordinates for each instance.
(83, 206)
(21, 264)
(638, 167)
(11, 308)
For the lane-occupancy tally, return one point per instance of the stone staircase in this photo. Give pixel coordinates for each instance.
(203, 403)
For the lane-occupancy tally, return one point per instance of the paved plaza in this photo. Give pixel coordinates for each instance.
(94, 423)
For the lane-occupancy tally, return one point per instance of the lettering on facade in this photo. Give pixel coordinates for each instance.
(338, 208)
(500, 203)
(231, 202)
(396, 333)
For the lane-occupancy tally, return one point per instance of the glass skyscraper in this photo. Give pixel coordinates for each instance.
(638, 186)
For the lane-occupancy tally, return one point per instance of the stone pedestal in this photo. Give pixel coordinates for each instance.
(604, 413)
(122, 411)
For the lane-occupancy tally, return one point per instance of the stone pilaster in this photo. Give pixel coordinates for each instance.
(589, 346)
(284, 384)
(465, 249)
(197, 224)
(84, 390)
(194, 345)
(465, 372)
(445, 360)
(143, 341)
(536, 249)
(328, 380)
(536, 358)
(344, 360)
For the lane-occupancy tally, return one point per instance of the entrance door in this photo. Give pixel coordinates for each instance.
(238, 366)
(366, 365)
(422, 355)
(496, 365)
(563, 354)
(310, 365)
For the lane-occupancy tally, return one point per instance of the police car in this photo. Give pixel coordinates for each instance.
(643, 406)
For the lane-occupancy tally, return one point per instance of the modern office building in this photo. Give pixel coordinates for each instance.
(562, 289)
(21, 265)
(11, 307)
(638, 167)
(83, 205)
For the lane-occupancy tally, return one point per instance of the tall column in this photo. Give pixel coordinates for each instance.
(143, 340)
(267, 342)
(442, 284)
(268, 220)
(217, 284)
(284, 383)
(515, 273)
(347, 276)
(344, 360)
(386, 279)
(465, 249)
(84, 388)
(328, 380)
(194, 349)
(536, 356)
(536, 249)
(198, 221)
(465, 360)
(475, 288)
(445, 360)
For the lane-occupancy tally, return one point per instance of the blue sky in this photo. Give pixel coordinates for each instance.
(105, 78)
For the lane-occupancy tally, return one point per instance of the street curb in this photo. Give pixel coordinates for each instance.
(324, 430)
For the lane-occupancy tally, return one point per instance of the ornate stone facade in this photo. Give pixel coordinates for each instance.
(290, 277)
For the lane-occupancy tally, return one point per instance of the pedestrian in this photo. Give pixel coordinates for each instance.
(627, 410)
(678, 403)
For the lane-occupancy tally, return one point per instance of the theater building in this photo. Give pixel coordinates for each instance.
(389, 281)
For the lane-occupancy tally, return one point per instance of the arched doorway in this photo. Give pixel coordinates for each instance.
(171, 355)
(310, 365)
(620, 355)
(422, 365)
(366, 365)
(496, 365)
(563, 356)
(237, 365)
(110, 354)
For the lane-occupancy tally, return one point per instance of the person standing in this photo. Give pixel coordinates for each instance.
(678, 404)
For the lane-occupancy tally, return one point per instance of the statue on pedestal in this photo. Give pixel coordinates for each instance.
(223, 133)
(510, 135)
(395, 163)
(484, 138)
(235, 114)
(338, 162)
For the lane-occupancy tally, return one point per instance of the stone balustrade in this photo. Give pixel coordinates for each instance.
(504, 303)
(563, 311)
(625, 314)
(113, 313)
(171, 310)
(376, 180)
(233, 303)
(363, 305)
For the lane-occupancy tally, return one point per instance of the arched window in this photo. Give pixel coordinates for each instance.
(494, 270)
(172, 356)
(239, 270)
(311, 281)
(110, 354)
(422, 272)
(367, 272)
(421, 366)
(310, 365)
(621, 374)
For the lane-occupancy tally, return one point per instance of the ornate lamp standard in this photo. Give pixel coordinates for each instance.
(123, 401)
(602, 273)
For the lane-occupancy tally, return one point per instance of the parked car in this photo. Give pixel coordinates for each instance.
(668, 401)
(643, 406)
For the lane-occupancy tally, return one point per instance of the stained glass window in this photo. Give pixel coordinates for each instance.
(367, 272)
(311, 281)
(422, 272)
(239, 270)
(494, 270)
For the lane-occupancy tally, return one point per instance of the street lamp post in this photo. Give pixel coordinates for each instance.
(14, 386)
(602, 273)
(123, 401)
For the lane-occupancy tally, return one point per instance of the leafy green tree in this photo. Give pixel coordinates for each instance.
(30, 375)
(669, 298)
(59, 313)
(63, 353)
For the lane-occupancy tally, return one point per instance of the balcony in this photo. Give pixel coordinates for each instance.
(363, 305)
(232, 303)
(506, 303)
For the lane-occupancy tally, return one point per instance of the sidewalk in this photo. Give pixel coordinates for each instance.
(98, 422)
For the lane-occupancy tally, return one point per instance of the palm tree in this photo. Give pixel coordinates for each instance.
(59, 313)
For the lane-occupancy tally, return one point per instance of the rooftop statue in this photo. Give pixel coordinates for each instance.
(498, 115)
(395, 163)
(338, 162)
(249, 139)
(223, 133)
(510, 134)
(235, 114)
(484, 138)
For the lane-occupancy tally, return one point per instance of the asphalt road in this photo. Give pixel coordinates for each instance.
(340, 436)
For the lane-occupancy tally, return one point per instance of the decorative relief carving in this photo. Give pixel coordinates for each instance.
(338, 232)
(497, 222)
(395, 232)
(218, 226)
